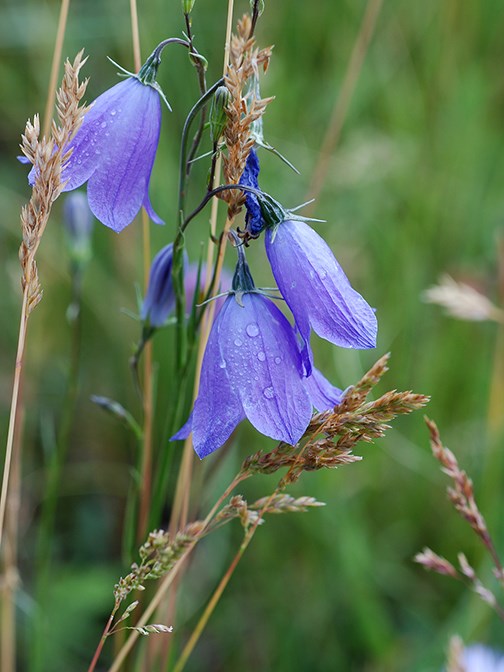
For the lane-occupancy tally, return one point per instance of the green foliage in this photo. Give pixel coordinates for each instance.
(414, 190)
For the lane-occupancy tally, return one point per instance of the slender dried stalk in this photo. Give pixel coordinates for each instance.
(48, 155)
(461, 495)
(148, 392)
(341, 429)
(58, 48)
(183, 487)
(170, 578)
(342, 104)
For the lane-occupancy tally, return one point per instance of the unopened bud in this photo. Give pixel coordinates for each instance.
(187, 6)
(78, 220)
(218, 117)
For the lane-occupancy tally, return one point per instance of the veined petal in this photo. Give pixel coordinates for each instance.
(316, 289)
(118, 186)
(100, 125)
(323, 395)
(264, 367)
(217, 410)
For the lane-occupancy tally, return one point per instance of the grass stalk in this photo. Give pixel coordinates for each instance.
(148, 394)
(183, 488)
(10, 496)
(53, 80)
(214, 600)
(169, 579)
(14, 409)
(342, 103)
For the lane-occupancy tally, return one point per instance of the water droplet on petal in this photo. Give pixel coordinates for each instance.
(222, 364)
(103, 124)
(261, 356)
(293, 284)
(238, 342)
(252, 329)
(322, 274)
(269, 392)
(113, 112)
(278, 360)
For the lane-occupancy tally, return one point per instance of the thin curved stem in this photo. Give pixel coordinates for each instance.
(342, 103)
(178, 246)
(169, 578)
(58, 48)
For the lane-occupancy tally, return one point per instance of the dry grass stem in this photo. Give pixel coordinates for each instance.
(251, 514)
(455, 651)
(332, 435)
(158, 556)
(462, 301)
(244, 108)
(436, 563)
(461, 493)
(345, 95)
(48, 156)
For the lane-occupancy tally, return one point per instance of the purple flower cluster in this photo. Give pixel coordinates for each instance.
(256, 365)
(252, 368)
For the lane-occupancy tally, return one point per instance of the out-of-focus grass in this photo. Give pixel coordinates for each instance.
(414, 189)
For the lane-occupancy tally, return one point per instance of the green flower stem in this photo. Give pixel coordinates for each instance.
(178, 246)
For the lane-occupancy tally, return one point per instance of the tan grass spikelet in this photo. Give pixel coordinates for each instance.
(243, 109)
(462, 301)
(331, 436)
(48, 156)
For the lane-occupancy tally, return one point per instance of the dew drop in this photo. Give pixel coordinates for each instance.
(278, 360)
(222, 364)
(261, 356)
(293, 284)
(252, 329)
(322, 274)
(269, 392)
(103, 124)
(113, 112)
(238, 342)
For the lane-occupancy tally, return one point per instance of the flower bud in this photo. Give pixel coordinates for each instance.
(78, 222)
(160, 298)
(187, 6)
(218, 117)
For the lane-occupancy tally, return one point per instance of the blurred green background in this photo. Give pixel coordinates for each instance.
(414, 189)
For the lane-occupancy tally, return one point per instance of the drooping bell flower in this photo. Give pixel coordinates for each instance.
(252, 369)
(114, 149)
(160, 298)
(316, 289)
